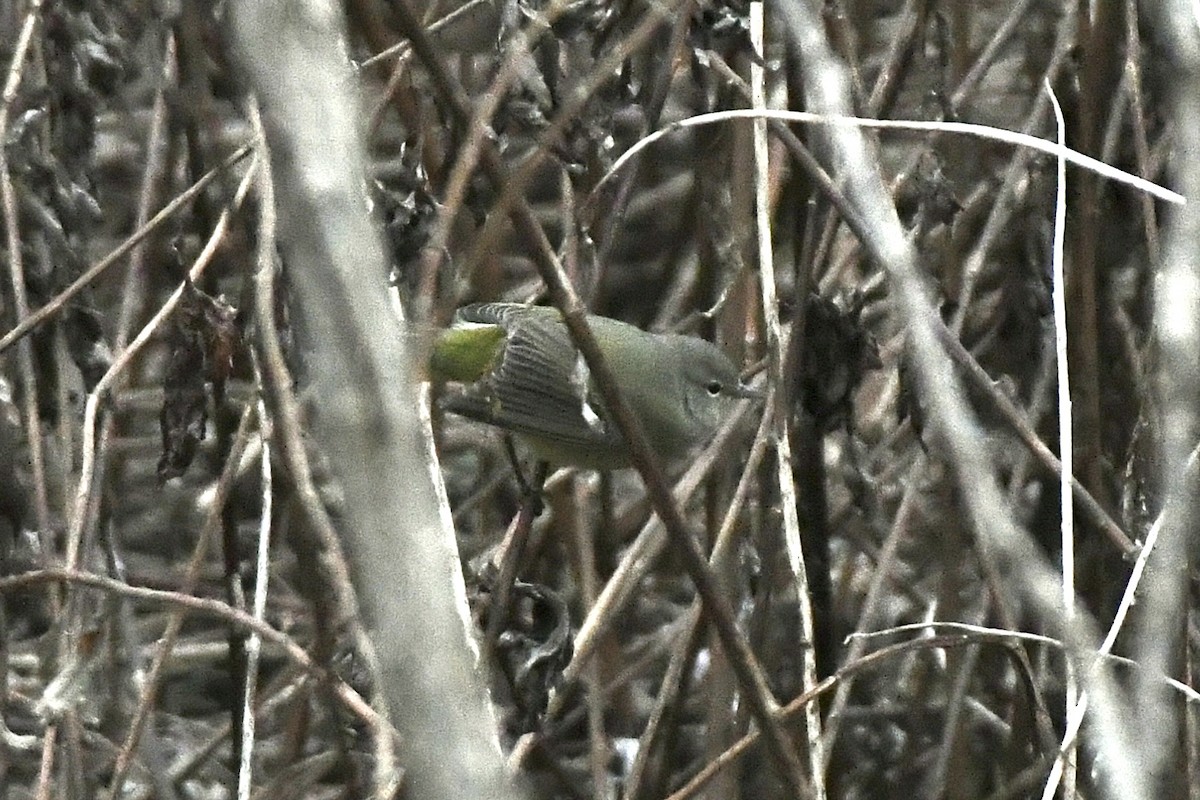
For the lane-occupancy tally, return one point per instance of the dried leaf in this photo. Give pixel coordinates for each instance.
(203, 341)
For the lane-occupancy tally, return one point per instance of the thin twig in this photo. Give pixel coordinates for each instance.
(582, 530)
(1014, 138)
(510, 555)
(987, 634)
(183, 603)
(1138, 117)
(781, 434)
(1065, 438)
(156, 151)
(262, 573)
(1011, 23)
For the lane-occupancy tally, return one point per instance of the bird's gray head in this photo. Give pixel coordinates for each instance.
(710, 385)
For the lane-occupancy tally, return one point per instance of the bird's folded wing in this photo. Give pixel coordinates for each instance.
(540, 386)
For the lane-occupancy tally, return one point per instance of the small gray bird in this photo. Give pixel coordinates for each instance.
(525, 375)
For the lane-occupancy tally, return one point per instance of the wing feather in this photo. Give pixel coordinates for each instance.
(535, 389)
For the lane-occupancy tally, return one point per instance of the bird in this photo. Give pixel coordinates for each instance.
(521, 372)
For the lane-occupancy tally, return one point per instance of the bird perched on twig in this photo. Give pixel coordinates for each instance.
(524, 374)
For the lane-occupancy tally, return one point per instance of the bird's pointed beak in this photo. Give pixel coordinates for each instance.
(747, 392)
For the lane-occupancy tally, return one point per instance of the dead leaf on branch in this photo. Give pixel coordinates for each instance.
(203, 340)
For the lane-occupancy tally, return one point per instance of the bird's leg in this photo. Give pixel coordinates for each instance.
(531, 492)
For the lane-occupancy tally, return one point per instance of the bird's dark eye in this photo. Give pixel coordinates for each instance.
(713, 388)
